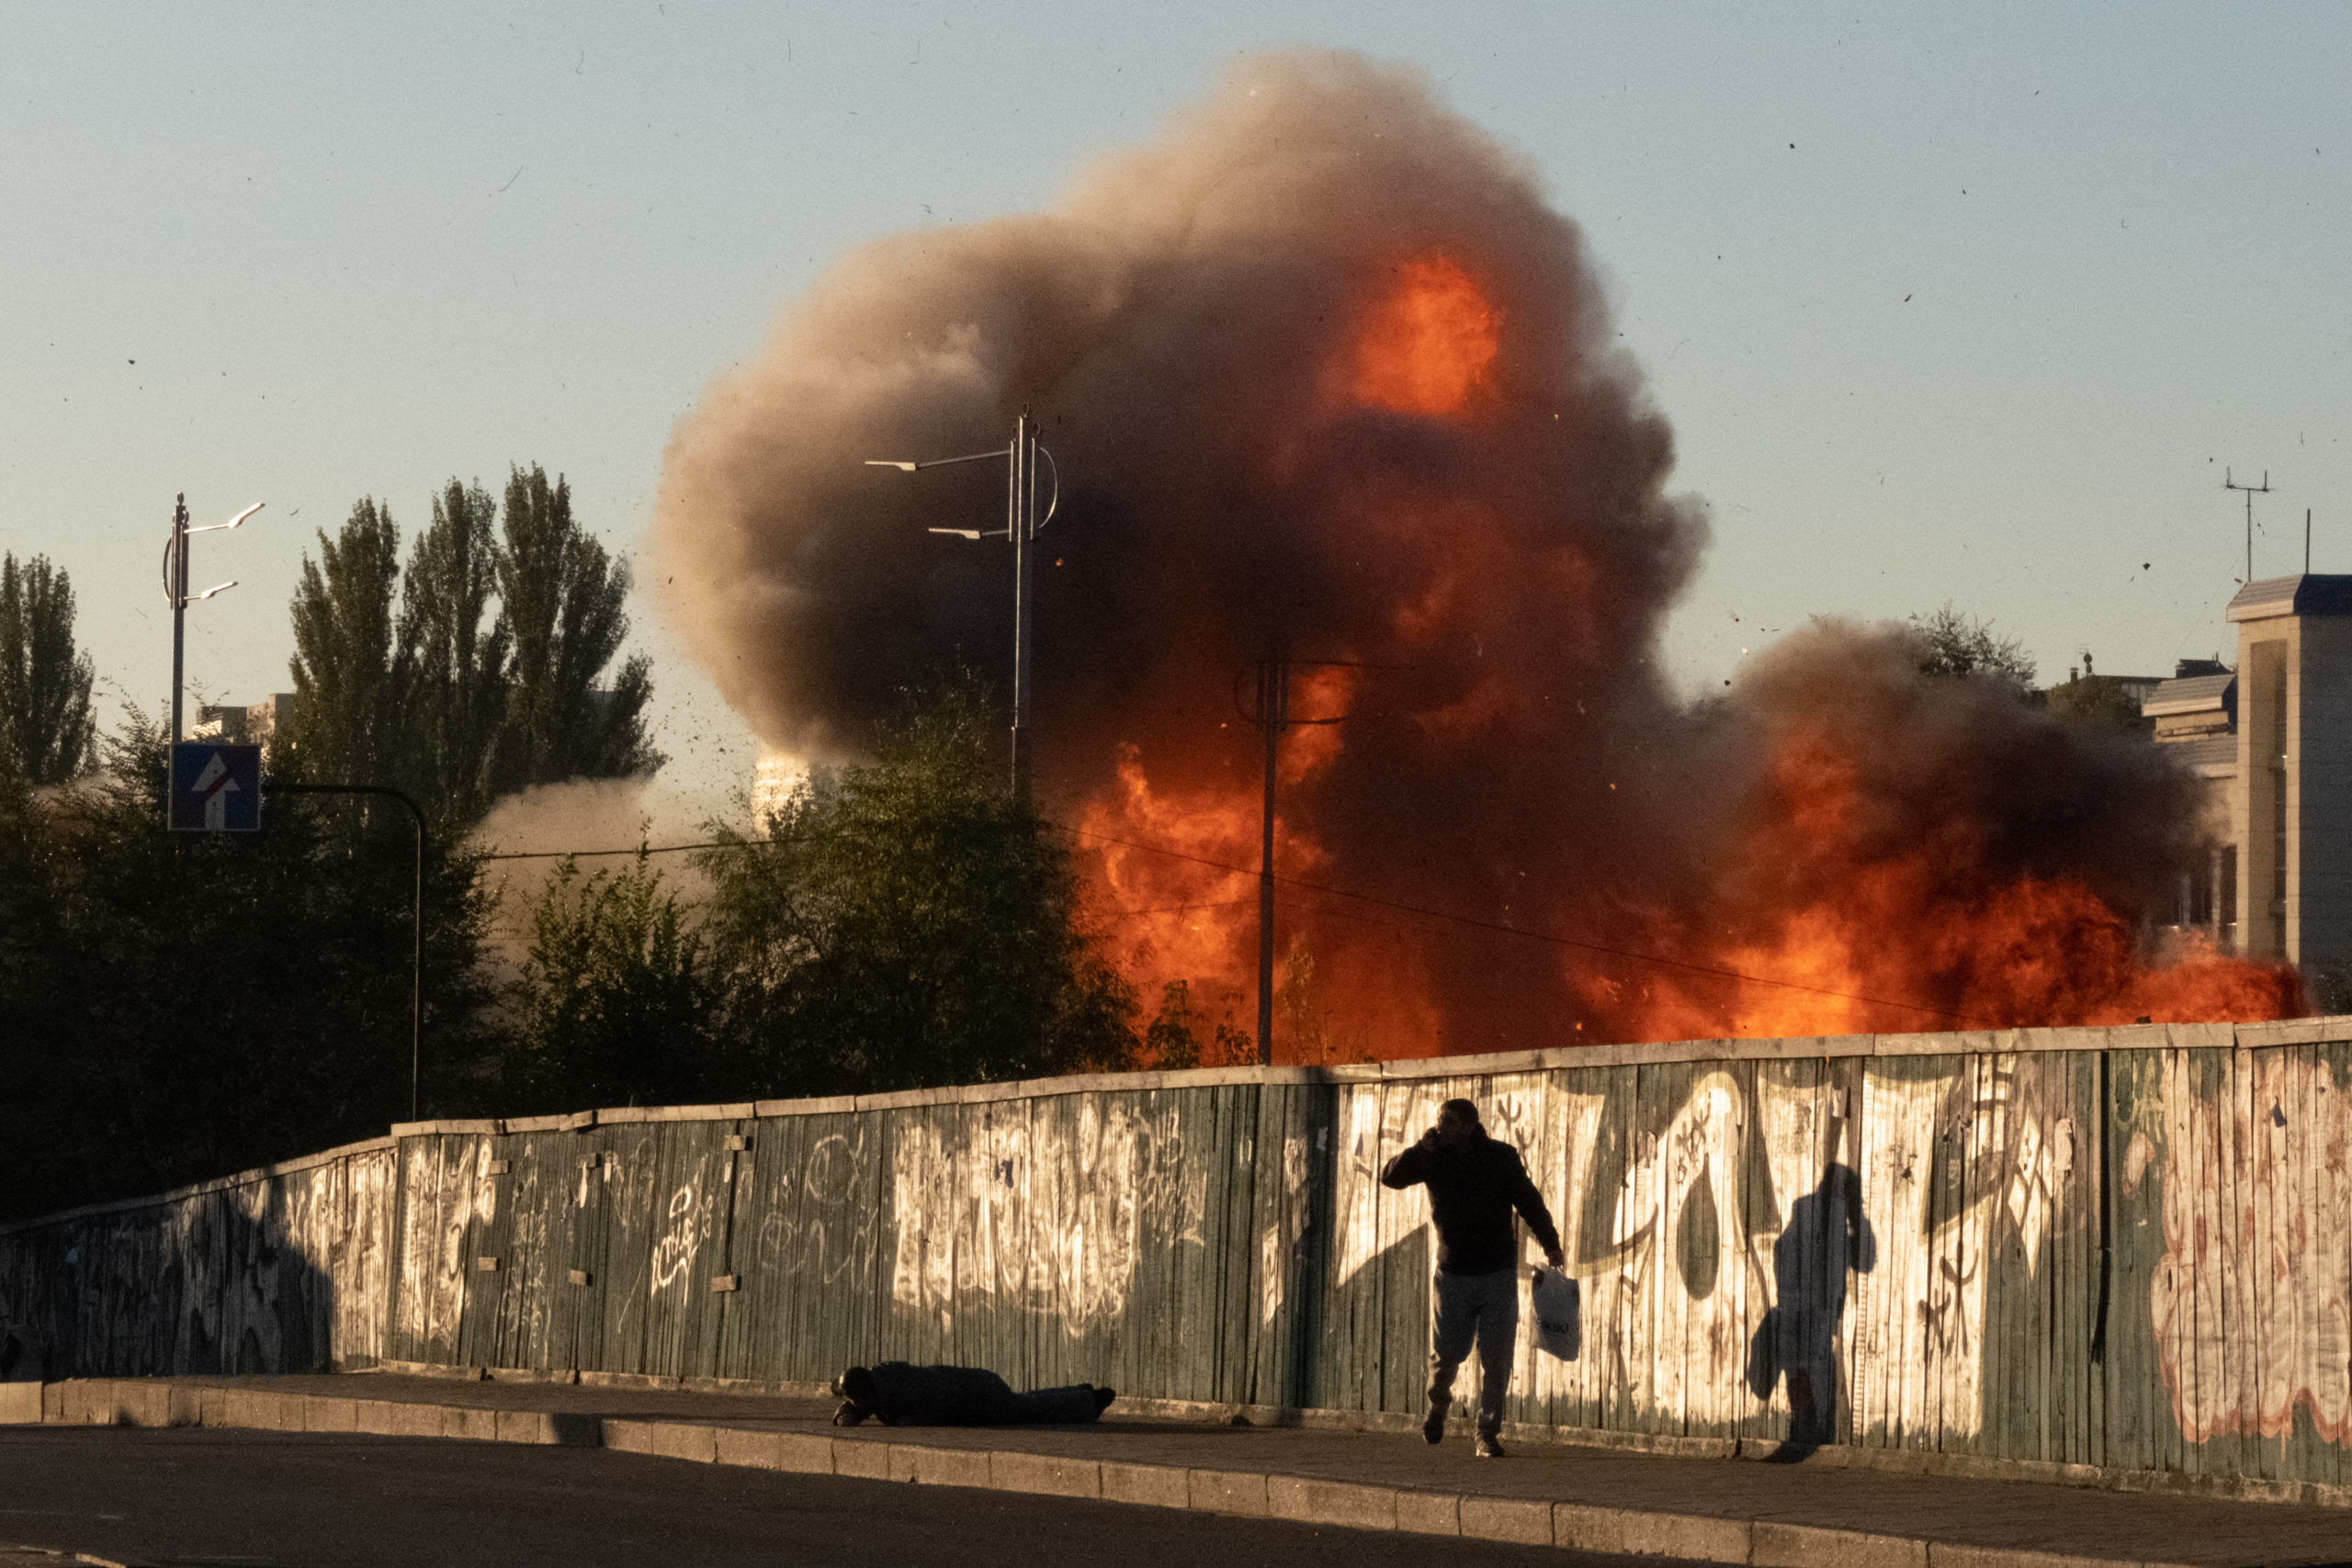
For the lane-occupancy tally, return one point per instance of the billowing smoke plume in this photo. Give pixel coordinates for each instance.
(547, 820)
(1322, 372)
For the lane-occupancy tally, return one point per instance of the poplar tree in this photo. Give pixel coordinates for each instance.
(47, 734)
(458, 669)
(487, 682)
(347, 709)
(562, 596)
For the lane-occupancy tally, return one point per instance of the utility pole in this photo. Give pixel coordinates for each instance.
(1021, 525)
(2229, 482)
(1274, 713)
(1272, 716)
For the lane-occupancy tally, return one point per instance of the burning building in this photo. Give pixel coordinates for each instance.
(1327, 378)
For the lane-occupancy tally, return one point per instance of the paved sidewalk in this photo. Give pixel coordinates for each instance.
(1714, 1510)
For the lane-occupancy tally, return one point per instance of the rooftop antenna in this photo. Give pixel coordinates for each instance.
(2307, 541)
(2229, 482)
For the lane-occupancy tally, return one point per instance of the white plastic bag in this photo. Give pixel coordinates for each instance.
(1559, 1316)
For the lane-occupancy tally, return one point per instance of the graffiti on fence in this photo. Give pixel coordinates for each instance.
(1760, 1235)
(819, 1223)
(1011, 1207)
(2249, 1300)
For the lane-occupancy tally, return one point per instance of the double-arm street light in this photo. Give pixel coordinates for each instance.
(176, 588)
(1021, 525)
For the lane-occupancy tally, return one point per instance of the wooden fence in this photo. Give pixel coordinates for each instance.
(2129, 1248)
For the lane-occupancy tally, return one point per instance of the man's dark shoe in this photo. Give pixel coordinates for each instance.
(1433, 1426)
(1489, 1448)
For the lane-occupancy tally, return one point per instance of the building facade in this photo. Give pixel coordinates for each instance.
(256, 724)
(2273, 739)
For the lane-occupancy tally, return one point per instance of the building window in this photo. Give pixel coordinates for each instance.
(2197, 896)
(2226, 894)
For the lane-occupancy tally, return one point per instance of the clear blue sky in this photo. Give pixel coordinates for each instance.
(1972, 302)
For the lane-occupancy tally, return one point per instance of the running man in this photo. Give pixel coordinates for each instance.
(1475, 1183)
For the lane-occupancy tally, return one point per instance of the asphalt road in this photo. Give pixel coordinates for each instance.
(189, 1496)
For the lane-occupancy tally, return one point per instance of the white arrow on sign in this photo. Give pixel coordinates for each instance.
(215, 786)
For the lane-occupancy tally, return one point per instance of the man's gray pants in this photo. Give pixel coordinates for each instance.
(1481, 1307)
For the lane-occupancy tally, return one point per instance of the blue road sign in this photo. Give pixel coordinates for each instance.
(215, 788)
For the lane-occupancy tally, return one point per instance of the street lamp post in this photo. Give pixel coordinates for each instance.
(175, 590)
(1021, 525)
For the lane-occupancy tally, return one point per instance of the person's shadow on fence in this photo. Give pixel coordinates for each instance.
(1828, 1234)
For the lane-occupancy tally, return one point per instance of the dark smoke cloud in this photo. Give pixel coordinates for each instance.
(1170, 322)
(1512, 752)
(1906, 813)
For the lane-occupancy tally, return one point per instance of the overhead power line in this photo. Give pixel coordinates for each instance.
(639, 850)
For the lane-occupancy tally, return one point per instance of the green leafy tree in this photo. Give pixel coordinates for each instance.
(456, 659)
(616, 999)
(2096, 701)
(38, 973)
(562, 597)
(1950, 643)
(200, 1003)
(1182, 1036)
(47, 734)
(909, 924)
(348, 714)
(1171, 1040)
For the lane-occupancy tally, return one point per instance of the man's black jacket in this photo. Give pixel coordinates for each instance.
(1473, 1190)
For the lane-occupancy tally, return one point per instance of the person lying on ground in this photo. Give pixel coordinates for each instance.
(901, 1396)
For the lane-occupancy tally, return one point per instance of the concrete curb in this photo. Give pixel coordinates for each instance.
(48, 1557)
(45, 1557)
(1763, 1543)
(1892, 1462)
